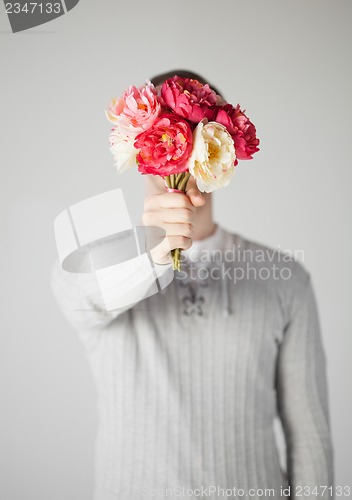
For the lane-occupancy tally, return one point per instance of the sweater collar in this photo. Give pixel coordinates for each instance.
(205, 247)
(206, 251)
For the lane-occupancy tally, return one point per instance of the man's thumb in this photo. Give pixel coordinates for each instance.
(196, 197)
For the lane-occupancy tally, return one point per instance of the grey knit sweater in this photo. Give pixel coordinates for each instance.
(191, 380)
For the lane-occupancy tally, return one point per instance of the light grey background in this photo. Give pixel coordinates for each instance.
(288, 64)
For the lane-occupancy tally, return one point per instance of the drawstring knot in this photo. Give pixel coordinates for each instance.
(194, 300)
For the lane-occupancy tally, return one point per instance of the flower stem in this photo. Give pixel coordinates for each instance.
(183, 181)
(177, 181)
(167, 180)
(178, 177)
(176, 261)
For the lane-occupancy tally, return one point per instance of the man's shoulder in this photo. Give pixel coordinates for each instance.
(250, 252)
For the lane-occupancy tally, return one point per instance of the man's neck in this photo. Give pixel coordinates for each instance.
(204, 226)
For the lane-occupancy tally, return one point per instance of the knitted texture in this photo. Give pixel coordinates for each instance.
(190, 380)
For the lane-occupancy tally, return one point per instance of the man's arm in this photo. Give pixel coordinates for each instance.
(93, 300)
(303, 401)
(84, 300)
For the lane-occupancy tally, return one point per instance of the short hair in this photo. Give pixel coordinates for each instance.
(183, 73)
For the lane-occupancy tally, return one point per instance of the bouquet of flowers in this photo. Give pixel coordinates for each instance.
(177, 130)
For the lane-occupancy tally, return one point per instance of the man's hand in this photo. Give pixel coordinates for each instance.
(174, 213)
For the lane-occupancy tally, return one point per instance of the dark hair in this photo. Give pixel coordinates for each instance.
(183, 73)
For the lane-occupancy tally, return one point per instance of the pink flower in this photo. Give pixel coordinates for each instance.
(189, 98)
(242, 130)
(165, 148)
(135, 111)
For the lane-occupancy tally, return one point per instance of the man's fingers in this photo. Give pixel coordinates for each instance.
(194, 194)
(167, 215)
(177, 229)
(161, 253)
(171, 242)
(168, 200)
(174, 213)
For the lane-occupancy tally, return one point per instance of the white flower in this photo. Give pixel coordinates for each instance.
(123, 150)
(213, 155)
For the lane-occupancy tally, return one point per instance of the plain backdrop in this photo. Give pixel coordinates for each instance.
(288, 64)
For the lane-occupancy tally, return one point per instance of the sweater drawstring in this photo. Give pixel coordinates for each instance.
(225, 285)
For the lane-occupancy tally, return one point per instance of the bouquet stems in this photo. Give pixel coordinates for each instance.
(177, 183)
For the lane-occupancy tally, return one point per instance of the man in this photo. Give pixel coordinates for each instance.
(191, 379)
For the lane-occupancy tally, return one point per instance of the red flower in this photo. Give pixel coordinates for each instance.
(189, 98)
(165, 147)
(242, 130)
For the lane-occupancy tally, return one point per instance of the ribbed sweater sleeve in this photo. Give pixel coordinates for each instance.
(80, 298)
(303, 400)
